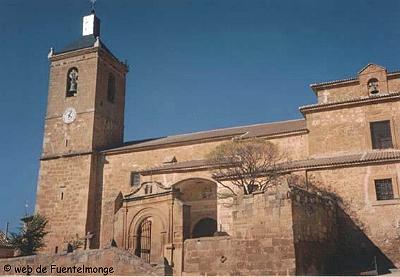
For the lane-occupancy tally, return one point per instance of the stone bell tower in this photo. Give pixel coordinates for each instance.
(85, 113)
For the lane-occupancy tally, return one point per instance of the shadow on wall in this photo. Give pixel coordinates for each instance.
(351, 252)
(356, 253)
(167, 268)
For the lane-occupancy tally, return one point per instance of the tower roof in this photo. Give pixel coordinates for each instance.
(249, 131)
(83, 42)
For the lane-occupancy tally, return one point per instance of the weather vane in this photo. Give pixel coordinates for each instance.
(93, 2)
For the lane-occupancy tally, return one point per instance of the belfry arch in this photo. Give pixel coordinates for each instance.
(200, 196)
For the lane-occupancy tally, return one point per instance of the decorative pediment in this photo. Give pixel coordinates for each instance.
(371, 67)
(148, 188)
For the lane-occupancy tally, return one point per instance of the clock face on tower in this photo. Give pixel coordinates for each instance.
(69, 115)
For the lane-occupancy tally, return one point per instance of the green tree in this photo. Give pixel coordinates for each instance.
(29, 239)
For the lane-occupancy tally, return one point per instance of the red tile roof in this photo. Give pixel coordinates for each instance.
(363, 99)
(178, 166)
(333, 82)
(344, 80)
(359, 158)
(317, 162)
(257, 130)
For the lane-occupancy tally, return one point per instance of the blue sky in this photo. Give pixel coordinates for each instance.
(195, 65)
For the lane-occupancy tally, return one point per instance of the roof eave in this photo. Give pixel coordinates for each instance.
(356, 161)
(56, 56)
(189, 142)
(330, 84)
(343, 164)
(352, 102)
(62, 55)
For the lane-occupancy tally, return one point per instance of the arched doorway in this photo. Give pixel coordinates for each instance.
(205, 227)
(147, 235)
(143, 240)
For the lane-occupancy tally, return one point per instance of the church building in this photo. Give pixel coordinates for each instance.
(157, 197)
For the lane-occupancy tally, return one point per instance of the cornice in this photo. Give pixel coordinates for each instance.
(387, 97)
(149, 196)
(101, 52)
(320, 163)
(157, 171)
(69, 155)
(71, 54)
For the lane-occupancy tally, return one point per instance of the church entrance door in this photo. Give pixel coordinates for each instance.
(143, 242)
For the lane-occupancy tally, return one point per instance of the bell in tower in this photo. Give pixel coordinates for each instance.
(72, 83)
(373, 86)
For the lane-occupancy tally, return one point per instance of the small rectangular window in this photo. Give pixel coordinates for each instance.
(384, 189)
(62, 192)
(148, 189)
(381, 135)
(111, 88)
(135, 179)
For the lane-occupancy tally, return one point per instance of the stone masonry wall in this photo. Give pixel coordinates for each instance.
(364, 221)
(261, 242)
(122, 262)
(109, 116)
(347, 130)
(315, 232)
(62, 197)
(273, 234)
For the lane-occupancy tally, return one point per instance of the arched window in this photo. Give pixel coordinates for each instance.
(206, 227)
(373, 86)
(72, 82)
(143, 240)
(111, 88)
